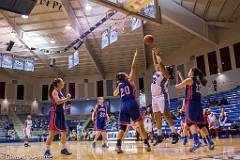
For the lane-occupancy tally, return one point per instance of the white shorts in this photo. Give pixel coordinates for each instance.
(27, 132)
(160, 104)
(148, 127)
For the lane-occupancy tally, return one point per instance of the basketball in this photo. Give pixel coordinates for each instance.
(148, 40)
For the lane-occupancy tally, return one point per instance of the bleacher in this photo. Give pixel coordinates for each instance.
(6, 126)
(233, 110)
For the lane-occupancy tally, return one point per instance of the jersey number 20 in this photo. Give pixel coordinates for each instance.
(125, 91)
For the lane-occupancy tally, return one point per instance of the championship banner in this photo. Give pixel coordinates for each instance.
(136, 5)
(80, 40)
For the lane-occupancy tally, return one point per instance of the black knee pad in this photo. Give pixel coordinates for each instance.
(123, 127)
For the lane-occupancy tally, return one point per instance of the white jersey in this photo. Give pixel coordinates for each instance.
(28, 124)
(159, 84)
(148, 123)
(148, 119)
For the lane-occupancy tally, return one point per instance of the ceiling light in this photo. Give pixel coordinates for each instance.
(52, 41)
(24, 16)
(88, 7)
(68, 27)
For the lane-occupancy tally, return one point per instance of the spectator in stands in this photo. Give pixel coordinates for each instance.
(112, 119)
(214, 103)
(222, 117)
(223, 101)
(73, 135)
(213, 124)
(84, 135)
(215, 86)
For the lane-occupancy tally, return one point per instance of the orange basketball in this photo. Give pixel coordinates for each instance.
(148, 40)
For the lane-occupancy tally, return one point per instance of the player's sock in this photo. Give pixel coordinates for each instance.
(47, 147)
(185, 140)
(118, 148)
(119, 142)
(94, 144)
(173, 129)
(210, 143)
(64, 146)
(159, 132)
(205, 141)
(195, 138)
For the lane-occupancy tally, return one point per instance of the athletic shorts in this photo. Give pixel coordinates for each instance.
(148, 127)
(27, 132)
(194, 113)
(100, 124)
(160, 104)
(57, 122)
(129, 111)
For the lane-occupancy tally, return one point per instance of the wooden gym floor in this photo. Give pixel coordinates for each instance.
(225, 149)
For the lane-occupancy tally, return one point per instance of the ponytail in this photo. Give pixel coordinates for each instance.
(198, 73)
(53, 86)
(202, 78)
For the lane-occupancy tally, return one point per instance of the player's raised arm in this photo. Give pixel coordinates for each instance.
(157, 61)
(186, 82)
(180, 76)
(133, 68)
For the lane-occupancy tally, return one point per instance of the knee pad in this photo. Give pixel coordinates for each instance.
(123, 127)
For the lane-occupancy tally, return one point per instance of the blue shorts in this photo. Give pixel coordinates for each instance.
(194, 113)
(100, 124)
(129, 110)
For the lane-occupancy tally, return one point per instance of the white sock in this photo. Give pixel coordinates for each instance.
(47, 147)
(159, 132)
(63, 145)
(173, 129)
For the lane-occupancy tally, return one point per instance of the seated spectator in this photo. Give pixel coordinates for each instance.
(224, 101)
(213, 125)
(223, 117)
(112, 119)
(209, 102)
(214, 103)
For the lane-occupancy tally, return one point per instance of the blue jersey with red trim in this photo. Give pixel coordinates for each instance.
(57, 107)
(126, 91)
(101, 111)
(193, 92)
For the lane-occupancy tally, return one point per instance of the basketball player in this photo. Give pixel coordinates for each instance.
(27, 130)
(57, 118)
(148, 125)
(160, 98)
(100, 118)
(193, 107)
(129, 108)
